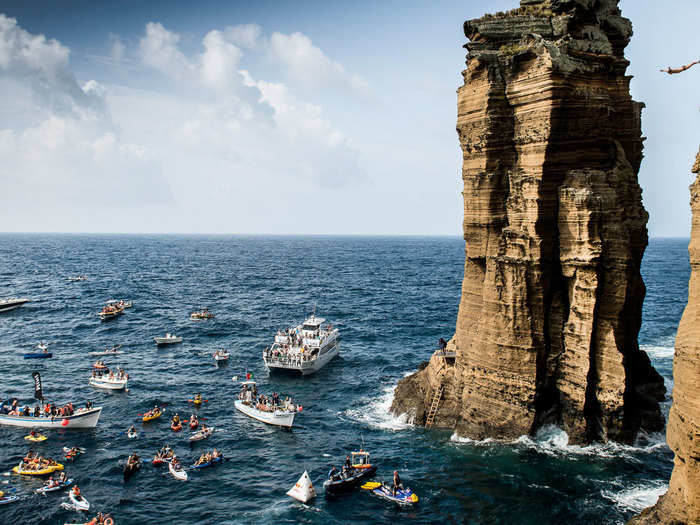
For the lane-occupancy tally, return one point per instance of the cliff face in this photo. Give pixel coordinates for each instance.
(681, 504)
(555, 231)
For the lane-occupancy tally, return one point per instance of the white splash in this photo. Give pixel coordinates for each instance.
(638, 497)
(658, 352)
(456, 438)
(375, 412)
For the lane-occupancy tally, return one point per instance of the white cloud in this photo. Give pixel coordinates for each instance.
(247, 36)
(159, 50)
(219, 62)
(117, 47)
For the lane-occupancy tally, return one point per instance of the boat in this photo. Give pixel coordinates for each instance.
(125, 304)
(78, 501)
(303, 490)
(111, 310)
(78, 278)
(204, 433)
(177, 471)
(81, 418)
(221, 355)
(151, 415)
(403, 497)
(132, 434)
(351, 477)
(43, 352)
(208, 463)
(109, 383)
(131, 467)
(36, 438)
(108, 351)
(100, 366)
(12, 302)
(303, 349)
(194, 423)
(164, 455)
(43, 472)
(169, 339)
(72, 453)
(278, 415)
(57, 486)
(197, 400)
(4, 500)
(201, 315)
(176, 428)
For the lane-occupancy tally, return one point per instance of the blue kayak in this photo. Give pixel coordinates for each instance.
(38, 355)
(208, 464)
(8, 499)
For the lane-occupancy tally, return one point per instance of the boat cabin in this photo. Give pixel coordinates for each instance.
(360, 459)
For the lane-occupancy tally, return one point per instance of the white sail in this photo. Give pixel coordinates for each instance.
(303, 490)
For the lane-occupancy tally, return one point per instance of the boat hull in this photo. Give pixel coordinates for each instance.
(109, 385)
(304, 367)
(161, 341)
(349, 483)
(7, 306)
(38, 355)
(280, 419)
(85, 419)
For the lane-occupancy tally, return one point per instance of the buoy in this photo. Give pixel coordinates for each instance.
(303, 490)
(65, 422)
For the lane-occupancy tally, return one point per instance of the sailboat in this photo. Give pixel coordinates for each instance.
(303, 490)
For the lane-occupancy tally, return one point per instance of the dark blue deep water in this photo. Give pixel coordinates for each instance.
(392, 298)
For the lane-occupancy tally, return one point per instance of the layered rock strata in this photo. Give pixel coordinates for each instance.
(681, 504)
(555, 231)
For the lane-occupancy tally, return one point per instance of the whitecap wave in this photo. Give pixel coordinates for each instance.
(658, 352)
(636, 498)
(374, 412)
(456, 438)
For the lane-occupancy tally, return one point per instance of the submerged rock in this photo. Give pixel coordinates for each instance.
(555, 231)
(681, 504)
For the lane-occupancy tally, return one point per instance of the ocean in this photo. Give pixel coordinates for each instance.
(391, 298)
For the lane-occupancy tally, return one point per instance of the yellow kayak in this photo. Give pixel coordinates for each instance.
(38, 437)
(151, 417)
(43, 472)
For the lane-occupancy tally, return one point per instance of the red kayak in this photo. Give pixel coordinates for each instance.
(176, 428)
(194, 425)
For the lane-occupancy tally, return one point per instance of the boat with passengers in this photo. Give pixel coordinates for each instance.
(305, 348)
(268, 409)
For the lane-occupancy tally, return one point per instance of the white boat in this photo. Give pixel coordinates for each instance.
(202, 434)
(303, 490)
(12, 302)
(279, 416)
(78, 278)
(169, 339)
(111, 310)
(80, 503)
(82, 418)
(132, 434)
(107, 383)
(221, 355)
(201, 315)
(178, 473)
(305, 348)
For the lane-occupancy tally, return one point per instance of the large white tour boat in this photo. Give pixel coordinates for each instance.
(12, 302)
(81, 418)
(305, 348)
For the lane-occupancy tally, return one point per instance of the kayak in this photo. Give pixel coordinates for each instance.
(193, 426)
(176, 428)
(44, 489)
(202, 434)
(79, 503)
(130, 471)
(38, 437)
(403, 497)
(4, 500)
(42, 472)
(208, 463)
(132, 435)
(159, 460)
(197, 402)
(355, 476)
(151, 417)
(178, 473)
(69, 455)
(38, 355)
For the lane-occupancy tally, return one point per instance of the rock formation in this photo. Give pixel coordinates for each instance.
(681, 504)
(555, 231)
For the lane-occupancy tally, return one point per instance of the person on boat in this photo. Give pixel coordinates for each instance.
(62, 477)
(88, 405)
(76, 492)
(333, 473)
(396, 484)
(215, 454)
(348, 464)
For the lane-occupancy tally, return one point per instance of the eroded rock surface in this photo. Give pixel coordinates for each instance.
(555, 231)
(681, 504)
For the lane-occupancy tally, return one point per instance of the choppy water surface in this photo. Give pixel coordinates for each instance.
(392, 298)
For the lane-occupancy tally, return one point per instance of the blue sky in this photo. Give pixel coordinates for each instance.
(140, 118)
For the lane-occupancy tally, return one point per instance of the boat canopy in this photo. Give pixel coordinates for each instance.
(360, 458)
(313, 323)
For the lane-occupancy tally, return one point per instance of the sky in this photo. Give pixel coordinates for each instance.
(307, 117)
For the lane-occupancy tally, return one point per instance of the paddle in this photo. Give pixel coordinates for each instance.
(371, 485)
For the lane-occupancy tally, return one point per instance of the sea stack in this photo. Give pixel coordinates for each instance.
(555, 231)
(681, 504)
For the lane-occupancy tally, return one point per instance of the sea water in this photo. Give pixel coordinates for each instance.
(391, 298)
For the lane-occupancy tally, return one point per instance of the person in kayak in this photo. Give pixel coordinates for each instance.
(198, 398)
(132, 430)
(397, 483)
(176, 420)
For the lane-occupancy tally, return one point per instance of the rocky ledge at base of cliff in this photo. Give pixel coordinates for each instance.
(555, 232)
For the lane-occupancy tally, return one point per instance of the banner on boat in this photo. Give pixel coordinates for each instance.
(38, 394)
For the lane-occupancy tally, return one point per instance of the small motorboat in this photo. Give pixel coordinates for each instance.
(177, 471)
(56, 486)
(109, 381)
(404, 497)
(111, 310)
(132, 465)
(108, 351)
(278, 415)
(221, 355)
(201, 315)
(169, 339)
(72, 453)
(12, 302)
(204, 433)
(303, 490)
(352, 476)
(78, 500)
